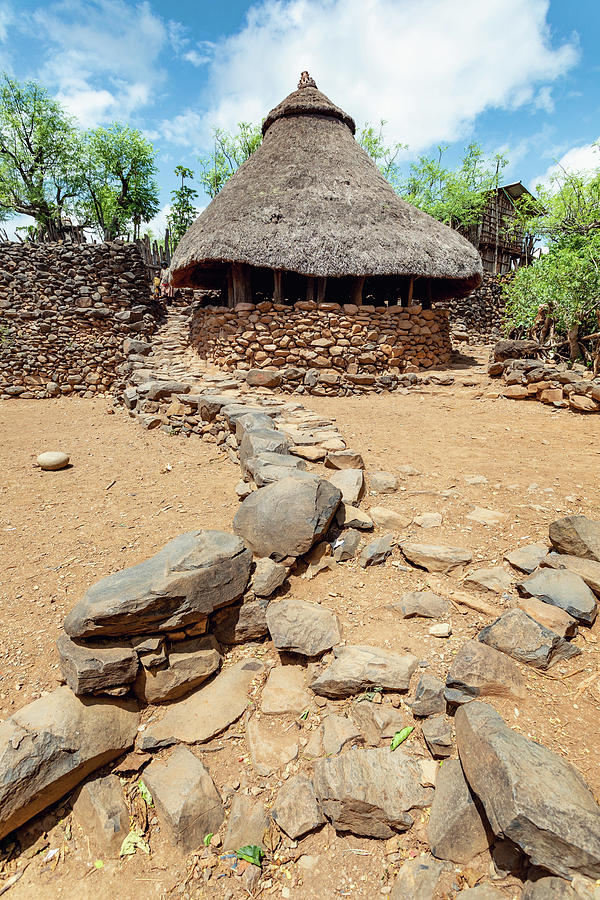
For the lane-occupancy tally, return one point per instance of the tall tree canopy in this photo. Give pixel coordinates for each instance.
(183, 211)
(49, 169)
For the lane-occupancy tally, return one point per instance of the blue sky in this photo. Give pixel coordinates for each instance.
(520, 76)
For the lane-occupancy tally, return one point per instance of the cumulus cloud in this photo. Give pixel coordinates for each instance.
(429, 67)
(103, 58)
(584, 159)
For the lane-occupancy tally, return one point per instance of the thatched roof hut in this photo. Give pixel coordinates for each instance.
(310, 215)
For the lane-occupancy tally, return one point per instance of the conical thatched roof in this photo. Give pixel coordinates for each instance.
(310, 200)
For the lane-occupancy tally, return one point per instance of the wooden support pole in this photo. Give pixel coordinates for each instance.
(242, 290)
(310, 287)
(411, 285)
(277, 286)
(321, 289)
(229, 288)
(357, 290)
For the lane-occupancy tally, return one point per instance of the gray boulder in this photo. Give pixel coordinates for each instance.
(437, 732)
(190, 663)
(417, 879)
(239, 624)
(521, 637)
(90, 668)
(527, 558)
(186, 799)
(457, 828)
(302, 627)
(350, 482)
(577, 536)
(286, 518)
(357, 668)
(429, 696)
(377, 721)
(382, 482)
(268, 576)
(422, 603)
(252, 421)
(246, 825)
(530, 794)
(263, 473)
(183, 583)
(159, 390)
(549, 616)
(333, 734)
(101, 811)
(262, 440)
(435, 557)
(370, 792)
(588, 569)
(346, 545)
(480, 671)
(297, 809)
(563, 589)
(377, 551)
(550, 888)
(52, 744)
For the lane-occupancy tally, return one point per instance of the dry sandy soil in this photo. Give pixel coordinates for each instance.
(129, 491)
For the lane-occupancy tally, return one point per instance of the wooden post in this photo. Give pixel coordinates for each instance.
(411, 285)
(321, 289)
(310, 287)
(356, 290)
(242, 290)
(277, 286)
(229, 288)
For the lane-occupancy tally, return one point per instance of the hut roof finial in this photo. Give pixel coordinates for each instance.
(306, 80)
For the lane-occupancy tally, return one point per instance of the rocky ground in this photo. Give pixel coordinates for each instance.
(474, 472)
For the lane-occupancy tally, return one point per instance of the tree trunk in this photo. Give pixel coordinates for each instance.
(572, 337)
(357, 290)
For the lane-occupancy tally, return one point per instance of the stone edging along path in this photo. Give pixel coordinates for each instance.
(154, 634)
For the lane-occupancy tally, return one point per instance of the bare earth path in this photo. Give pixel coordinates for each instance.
(129, 491)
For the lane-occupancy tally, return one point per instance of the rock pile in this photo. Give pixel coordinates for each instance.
(69, 316)
(481, 312)
(554, 385)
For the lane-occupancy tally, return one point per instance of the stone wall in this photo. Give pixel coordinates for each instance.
(66, 314)
(482, 311)
(345, 347)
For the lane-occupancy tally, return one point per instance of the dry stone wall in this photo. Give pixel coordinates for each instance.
(69, 314)
(482, 311)
(347, 348)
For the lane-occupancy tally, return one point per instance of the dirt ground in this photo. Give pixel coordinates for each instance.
(129, 491)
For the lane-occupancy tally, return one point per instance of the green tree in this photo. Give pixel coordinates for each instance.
(230, 151)
(371, 139)
(117, 172)
(560, 292)
(38, 154)
(454, 196)
(183, 212)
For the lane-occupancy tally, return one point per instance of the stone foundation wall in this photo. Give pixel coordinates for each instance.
(344, 346)
(66, 314)
(482, 311)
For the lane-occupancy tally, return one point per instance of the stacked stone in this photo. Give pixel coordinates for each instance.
(481, 312)
(347, 346)
(555, 385)
(69, 314)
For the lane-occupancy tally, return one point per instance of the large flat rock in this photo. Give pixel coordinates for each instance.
(302, 627)
(588, 569)
(246, 825)
(260, 441)
(564, 589)
(527, 558)
(417, 879)
(357, 668)
(576, 536)
(481, 671)
(286, 518)
(350, 482)
(370, 792)
(435, 557)
(530, 794)
(102, 813)
(52, 744)
(285, 692)
(522, 637)
(207, 711)
(296, 809)
(191, 576)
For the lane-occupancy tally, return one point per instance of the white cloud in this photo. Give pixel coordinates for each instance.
(429, 67)
(103, 57)
(584, 159)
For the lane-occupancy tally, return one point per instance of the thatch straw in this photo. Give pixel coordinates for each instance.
(310, 200)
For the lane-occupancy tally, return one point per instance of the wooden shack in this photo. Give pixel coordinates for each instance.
(502, 246)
